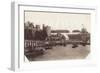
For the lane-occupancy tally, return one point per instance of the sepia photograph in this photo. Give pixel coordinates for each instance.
(52, 35)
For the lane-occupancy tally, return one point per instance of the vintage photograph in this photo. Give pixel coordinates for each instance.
(56, 35)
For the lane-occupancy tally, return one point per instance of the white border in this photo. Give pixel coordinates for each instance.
(18, 44)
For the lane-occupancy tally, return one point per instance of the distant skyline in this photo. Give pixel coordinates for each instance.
(64, 21)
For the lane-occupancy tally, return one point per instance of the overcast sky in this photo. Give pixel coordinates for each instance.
(70, 21)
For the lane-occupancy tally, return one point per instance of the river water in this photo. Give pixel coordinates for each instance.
(64, 53)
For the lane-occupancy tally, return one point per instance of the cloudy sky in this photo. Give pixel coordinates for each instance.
(70, 21)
